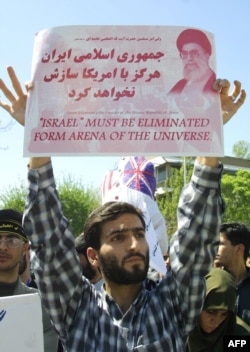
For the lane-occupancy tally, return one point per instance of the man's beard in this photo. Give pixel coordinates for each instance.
(121, 276)
(88, 271)
(194, 72)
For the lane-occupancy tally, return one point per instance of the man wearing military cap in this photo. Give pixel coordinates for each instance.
(13, 244)
(11, 224)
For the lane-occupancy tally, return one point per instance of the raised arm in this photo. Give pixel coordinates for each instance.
(200, 209)
(16, 107)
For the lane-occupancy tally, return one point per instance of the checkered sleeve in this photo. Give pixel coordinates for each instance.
(192, 247)
(56, 265)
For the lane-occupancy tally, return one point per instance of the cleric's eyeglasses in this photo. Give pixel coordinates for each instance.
(11, 241)
(194, 54)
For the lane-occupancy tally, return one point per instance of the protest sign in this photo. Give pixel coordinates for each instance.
(21, 323)
(123, 90)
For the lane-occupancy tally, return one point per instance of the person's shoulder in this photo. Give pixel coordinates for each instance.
(24, 289)
(245, 283)
(248, 275)
(241, 328)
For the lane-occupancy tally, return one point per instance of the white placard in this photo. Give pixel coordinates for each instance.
(125, 90)
(21, 327)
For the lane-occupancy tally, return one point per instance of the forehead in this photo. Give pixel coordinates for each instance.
(192, 46)
(123, 222)
(224, 239)
(215, 311)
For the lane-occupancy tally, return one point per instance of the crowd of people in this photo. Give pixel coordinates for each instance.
(125, 312)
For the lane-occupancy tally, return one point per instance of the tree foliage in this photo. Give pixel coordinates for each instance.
(168, 202)
(77, 201)
(14, 197)
(236, 193)
(241, 150)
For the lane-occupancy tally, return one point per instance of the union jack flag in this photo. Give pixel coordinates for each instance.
(136, 173)
(139, 173)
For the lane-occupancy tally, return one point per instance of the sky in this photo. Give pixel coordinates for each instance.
(21, 20)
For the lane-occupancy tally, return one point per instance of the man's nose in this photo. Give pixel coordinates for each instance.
(133, 242)
(216, 321)
(3, 244)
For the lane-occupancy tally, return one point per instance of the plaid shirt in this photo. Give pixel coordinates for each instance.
(160, 317)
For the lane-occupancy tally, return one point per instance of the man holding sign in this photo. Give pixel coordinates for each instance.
(126, 316)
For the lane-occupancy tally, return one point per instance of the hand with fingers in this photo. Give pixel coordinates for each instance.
(16, 108)
(17, 102)
(230, 103)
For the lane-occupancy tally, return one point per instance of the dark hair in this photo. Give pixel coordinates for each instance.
(237, 233)
(80, 244)
(107, 212)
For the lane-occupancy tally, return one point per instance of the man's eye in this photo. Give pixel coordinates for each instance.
(210, 311)
(140, 235)
(116, 238)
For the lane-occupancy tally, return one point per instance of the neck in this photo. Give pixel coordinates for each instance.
(97, 278)
(9, 276)
(239, 272)
(25, 277)
(123, 295)
(8, 280)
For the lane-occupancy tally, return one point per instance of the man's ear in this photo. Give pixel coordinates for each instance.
(241, 249)
(26, 251)
(93, 256)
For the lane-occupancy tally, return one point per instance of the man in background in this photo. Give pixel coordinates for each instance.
(232, 254)
(88, 270)
(13, 245)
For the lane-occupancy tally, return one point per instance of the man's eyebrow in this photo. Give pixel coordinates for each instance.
(125, 229)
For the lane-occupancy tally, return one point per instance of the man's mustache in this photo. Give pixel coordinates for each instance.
(135, 254)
